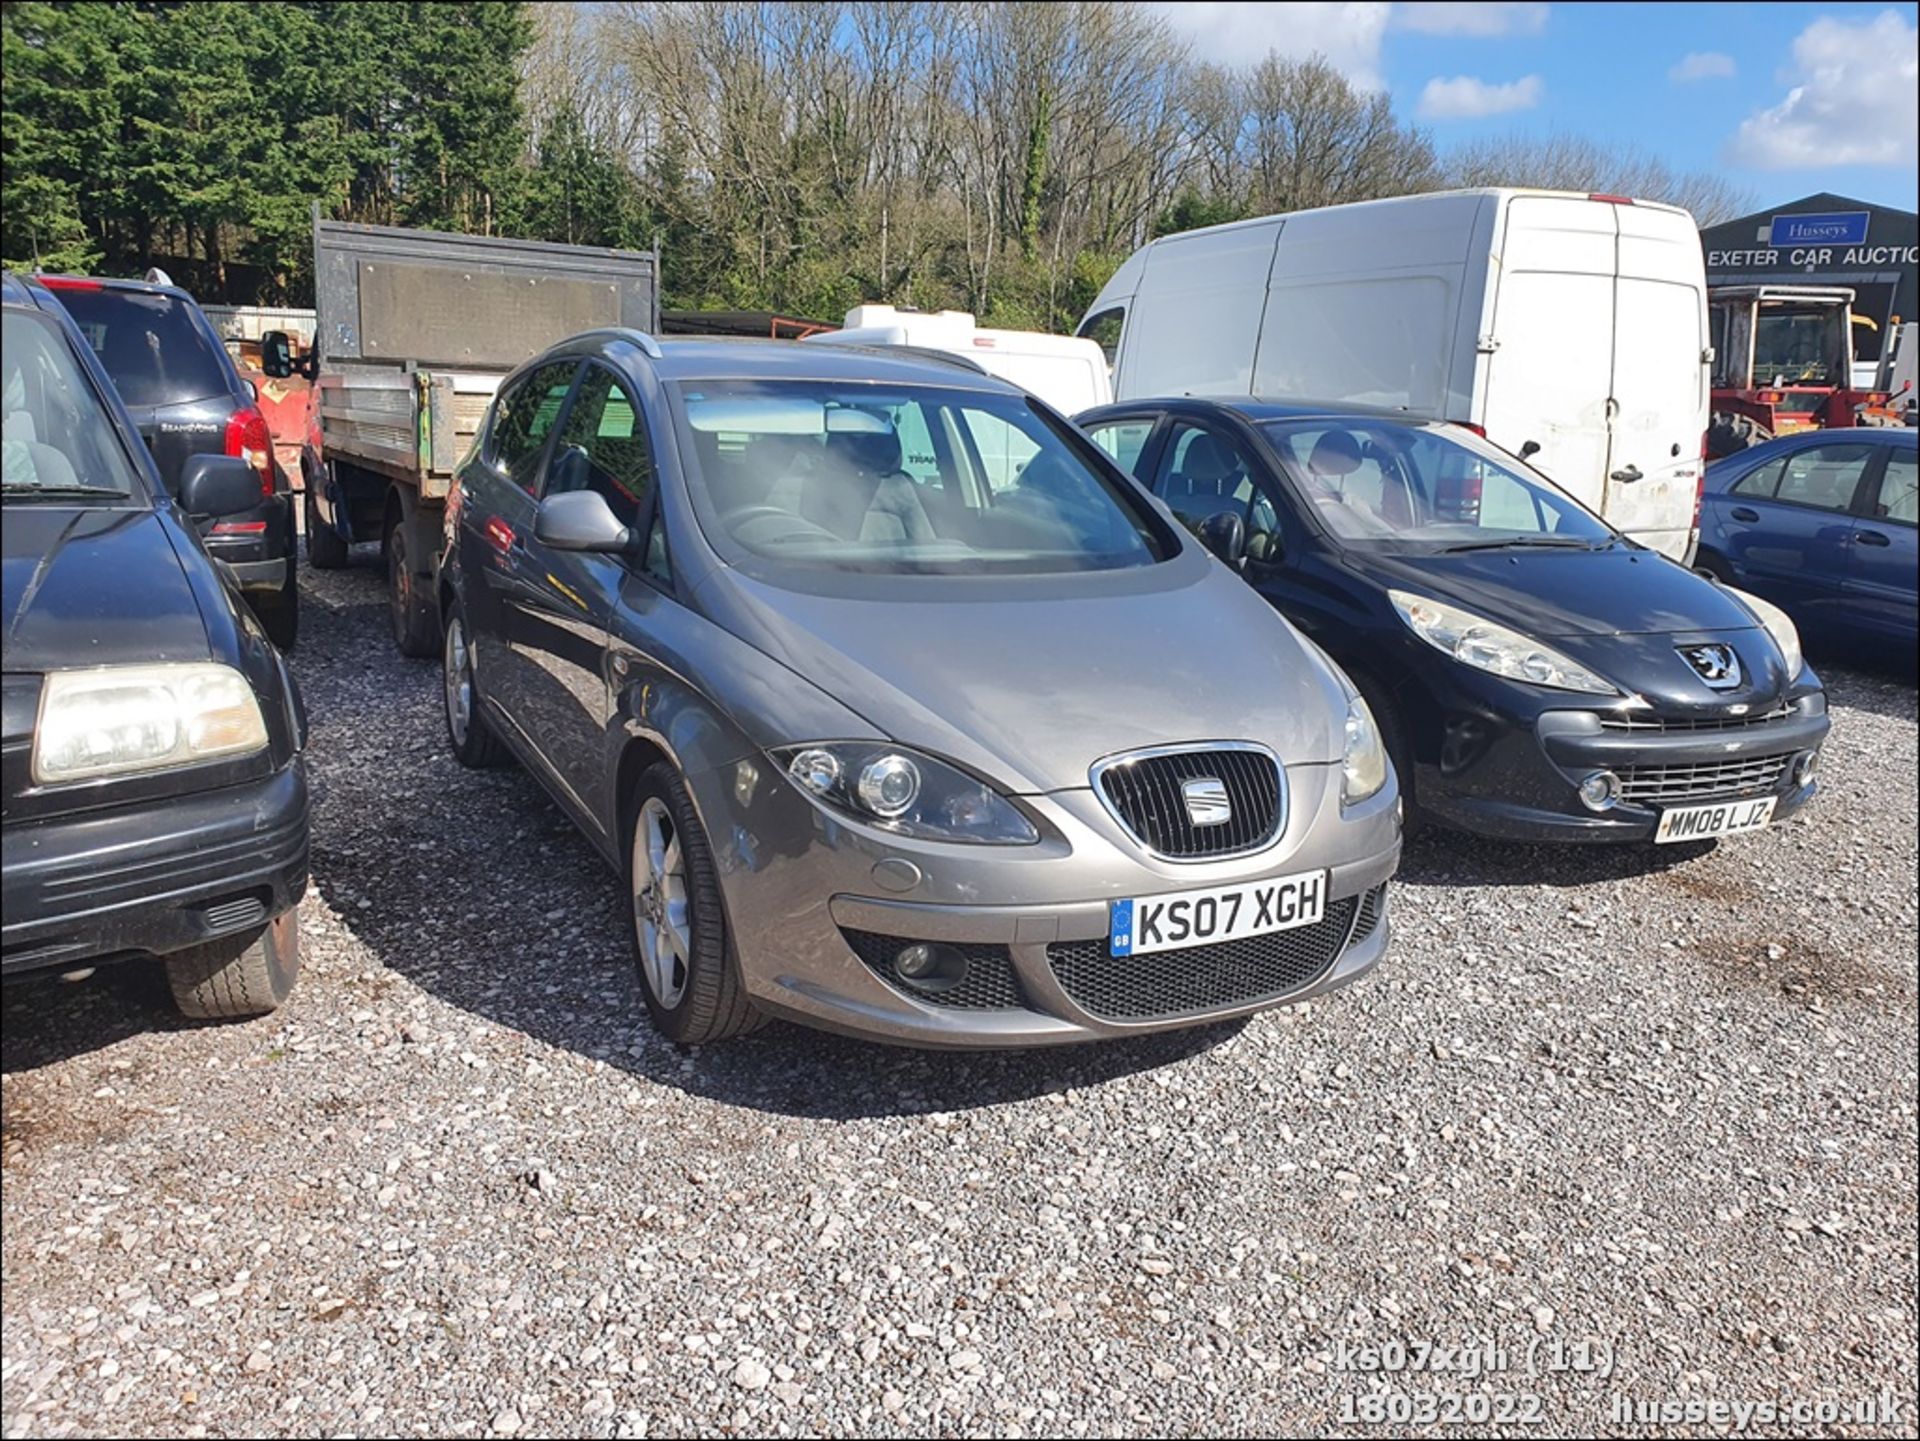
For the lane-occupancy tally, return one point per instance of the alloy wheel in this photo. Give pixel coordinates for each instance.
(662, 912)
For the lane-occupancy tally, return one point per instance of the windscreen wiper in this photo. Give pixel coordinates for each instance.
(59, 491)
(1520, 542)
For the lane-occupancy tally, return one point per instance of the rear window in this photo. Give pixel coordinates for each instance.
(149, 345)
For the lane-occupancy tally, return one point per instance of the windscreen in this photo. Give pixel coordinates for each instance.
(149, 345)
(57, 439)
(905, 481)
(1389, 484)
(1798, 346)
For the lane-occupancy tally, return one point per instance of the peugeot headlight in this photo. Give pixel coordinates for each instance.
(1363, 758)
(1473, 640)
(904, 791)
(1778, 623)
(142, 717)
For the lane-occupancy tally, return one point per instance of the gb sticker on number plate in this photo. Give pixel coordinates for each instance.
(1224, 913)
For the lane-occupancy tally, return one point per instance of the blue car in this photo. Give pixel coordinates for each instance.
(1822, 525)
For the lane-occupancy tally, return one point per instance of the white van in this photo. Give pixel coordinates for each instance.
(1068, 374)
(1570, 329)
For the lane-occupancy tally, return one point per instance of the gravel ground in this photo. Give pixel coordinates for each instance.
(1663, 1102)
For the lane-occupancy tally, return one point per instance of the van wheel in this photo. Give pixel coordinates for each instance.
(474, 743)
(1729, 433)
(238, 975)
(414, 631)
(325, 549)
(680, 941)
(1393, 735)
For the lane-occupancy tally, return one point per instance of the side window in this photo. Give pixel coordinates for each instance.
(1897, 495)
(1824, 477)
(1506, 504)
(1202, 473)
(1760, 483)
(524, 417)
(1004, 450)
(1123, 440)
(918, 458)
(1104, 331)
(619, 466)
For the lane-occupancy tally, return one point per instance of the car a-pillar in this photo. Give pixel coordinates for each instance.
(410, 533)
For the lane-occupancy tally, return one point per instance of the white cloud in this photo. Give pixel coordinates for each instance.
(1466, 97)
(1855, 100)
(1347, 35)
(1486, 19)
(1702, 65)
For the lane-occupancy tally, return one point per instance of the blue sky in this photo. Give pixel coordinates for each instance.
(1783, 99)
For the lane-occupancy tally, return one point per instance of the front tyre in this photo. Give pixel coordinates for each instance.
(681, 947)
(238, 975)
(1730, 432)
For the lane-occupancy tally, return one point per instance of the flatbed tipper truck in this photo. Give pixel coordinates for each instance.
(413, 332)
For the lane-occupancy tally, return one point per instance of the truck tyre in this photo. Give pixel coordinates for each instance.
(281, 613)
(238, 975)
(474, 744)
(325, 549)
(415, 631)
(681, 947)
(1729, 433)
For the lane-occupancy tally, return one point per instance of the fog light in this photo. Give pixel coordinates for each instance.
(1600, 790)
(1804, 765)
(930, 967)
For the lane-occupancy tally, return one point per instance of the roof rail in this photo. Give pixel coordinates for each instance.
(923, 352)
(644, 342)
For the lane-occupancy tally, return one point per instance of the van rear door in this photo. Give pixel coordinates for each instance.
(1659, 377)
(1551, 371)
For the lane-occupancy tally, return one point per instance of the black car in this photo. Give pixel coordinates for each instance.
(187, 398)
(153, 796)
(1538, 676)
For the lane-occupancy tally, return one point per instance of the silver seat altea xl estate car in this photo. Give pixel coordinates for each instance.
(902, 710)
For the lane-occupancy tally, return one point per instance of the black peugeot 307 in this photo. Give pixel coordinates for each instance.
(1537, 675)
(154, 794)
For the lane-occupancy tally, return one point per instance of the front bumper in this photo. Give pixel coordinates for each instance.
(1516, 776)
(816, 908)
(153, 877)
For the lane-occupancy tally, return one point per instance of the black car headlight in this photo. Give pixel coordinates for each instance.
(124, 718)
(1489, 646)
(901, 790)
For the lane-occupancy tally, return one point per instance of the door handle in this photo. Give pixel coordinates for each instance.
(1632, 472)
(1871, 537)
(1740, 512)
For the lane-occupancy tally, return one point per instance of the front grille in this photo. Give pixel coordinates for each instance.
(1702, 780)
(1143, 792)
(989, 983)
(1199, 978)
(1643, 724)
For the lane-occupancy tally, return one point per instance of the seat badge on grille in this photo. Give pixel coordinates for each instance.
(1716, 664)
(1206, 798)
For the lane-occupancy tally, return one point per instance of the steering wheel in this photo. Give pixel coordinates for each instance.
(798, 526)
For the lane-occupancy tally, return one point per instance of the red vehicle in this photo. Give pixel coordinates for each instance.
(1782, 363)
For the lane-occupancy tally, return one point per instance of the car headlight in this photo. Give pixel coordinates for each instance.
(142, 717)
(1473, 640)
(901, 790)
(1363, 758)
(1778, 623)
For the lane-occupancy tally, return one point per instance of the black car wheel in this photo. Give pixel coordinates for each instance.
(281, 614)
(680, 942)
(325, 549)
(1709, 564)
(414, 631)
(1393, 735)
(474, 743)
(238, 975)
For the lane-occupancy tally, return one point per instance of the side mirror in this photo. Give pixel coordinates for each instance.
(218, 485)
(580, 520)
(1225, 534)
(1528, 449)
(276, 355)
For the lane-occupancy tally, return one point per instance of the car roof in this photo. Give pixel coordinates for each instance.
(1253, 408)
(109, 282)
(703, 358)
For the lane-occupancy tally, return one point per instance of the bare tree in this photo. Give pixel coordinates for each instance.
(1563, 162)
